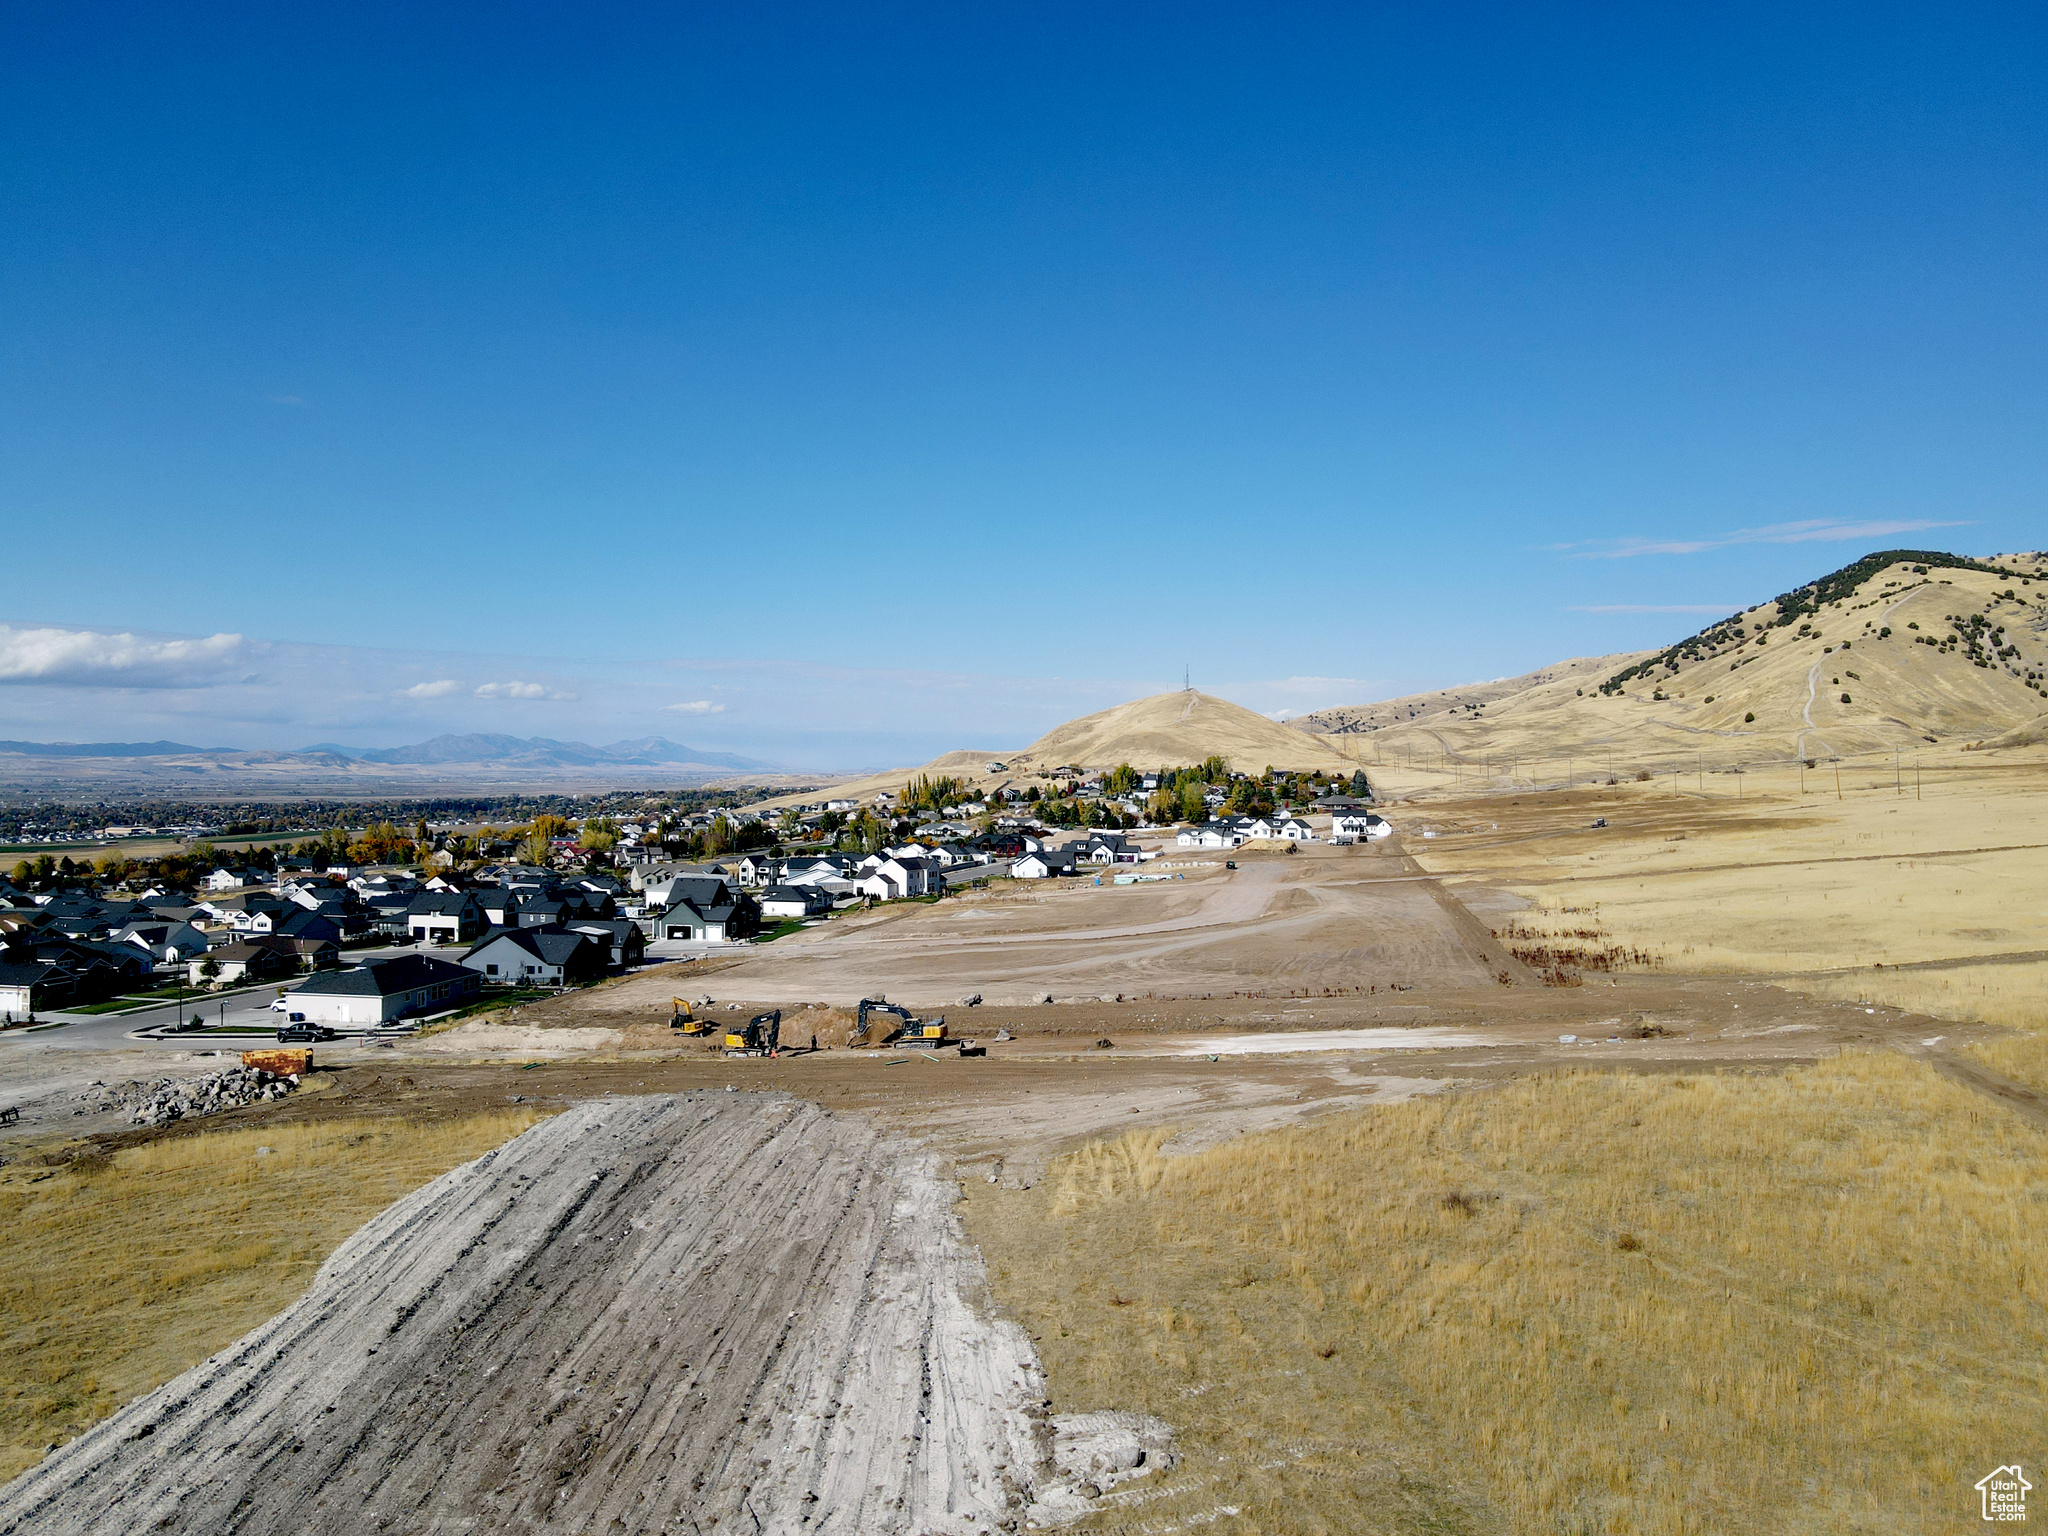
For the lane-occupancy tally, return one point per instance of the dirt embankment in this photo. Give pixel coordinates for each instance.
(708, 1311)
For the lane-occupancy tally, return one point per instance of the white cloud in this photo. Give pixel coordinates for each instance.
(439, 689)
(285, 400)
(1655, 608)
(1810, 531)
(89, 658)
(695, 707)
(522, 691)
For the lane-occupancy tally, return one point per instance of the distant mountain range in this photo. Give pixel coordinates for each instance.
(105, 748)
(541, 752)
(447, 763)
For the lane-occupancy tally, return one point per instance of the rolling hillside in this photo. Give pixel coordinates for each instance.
(1173, 728)
(1901, 648)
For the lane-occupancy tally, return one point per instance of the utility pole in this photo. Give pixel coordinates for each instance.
(1838, 778)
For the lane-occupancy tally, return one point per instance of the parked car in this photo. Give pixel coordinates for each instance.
(299, 1030)
(282, 1005)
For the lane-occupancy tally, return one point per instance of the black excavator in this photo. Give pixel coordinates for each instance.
(908, 1030)
(761, 1037)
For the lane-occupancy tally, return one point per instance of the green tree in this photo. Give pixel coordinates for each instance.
(535, 849)
(600, 834)
(1123, 778)
(1214, 769)
(22, 872)
(1193, 807)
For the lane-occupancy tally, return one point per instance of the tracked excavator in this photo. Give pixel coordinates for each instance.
(761, 1037)
(883, 1023)
(683, 1021)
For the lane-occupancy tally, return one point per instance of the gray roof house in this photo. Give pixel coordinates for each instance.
(537, 957)
(379, 991)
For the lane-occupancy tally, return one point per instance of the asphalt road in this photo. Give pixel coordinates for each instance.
(109, 1031)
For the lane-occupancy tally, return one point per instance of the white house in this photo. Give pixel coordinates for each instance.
(366, 996)
(894, 879)
(1211, 836)
(787, 901)
(225, 880)
(1042, 864)
(1355, 826)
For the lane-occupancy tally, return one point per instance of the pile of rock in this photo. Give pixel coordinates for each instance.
(169, 1098)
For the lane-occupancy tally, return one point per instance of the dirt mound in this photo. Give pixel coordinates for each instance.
(709, 1311)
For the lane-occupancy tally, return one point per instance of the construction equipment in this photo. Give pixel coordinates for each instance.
(761, 1037)
(680, 1018)
(908, 1031)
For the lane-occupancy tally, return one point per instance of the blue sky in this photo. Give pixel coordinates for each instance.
(882, 379)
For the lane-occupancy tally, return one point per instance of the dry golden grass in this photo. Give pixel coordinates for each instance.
(1829, 896)
(1583, 1303)
(123, 1271)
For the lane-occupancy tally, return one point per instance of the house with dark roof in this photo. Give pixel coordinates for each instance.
(620, 936)
(703, 909)
(783, 901)
(32, 986)
(244, 961)
(537, 957)
(444, 917)
(380, 991)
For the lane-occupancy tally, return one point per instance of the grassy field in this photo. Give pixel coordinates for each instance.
(123, 1271)
(1931, 897)
(1582, 1303)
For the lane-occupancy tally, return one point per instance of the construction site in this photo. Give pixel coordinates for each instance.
(1592, 1137)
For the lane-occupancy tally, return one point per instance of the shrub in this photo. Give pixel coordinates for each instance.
(1749, 718)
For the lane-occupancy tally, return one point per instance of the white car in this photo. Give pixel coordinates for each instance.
(282, 1005)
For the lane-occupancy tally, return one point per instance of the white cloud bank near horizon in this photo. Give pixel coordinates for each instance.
(83, 684)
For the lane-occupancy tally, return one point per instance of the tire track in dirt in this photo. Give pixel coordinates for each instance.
(726, 1312)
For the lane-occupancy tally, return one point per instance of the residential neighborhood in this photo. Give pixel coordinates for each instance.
(582, 903)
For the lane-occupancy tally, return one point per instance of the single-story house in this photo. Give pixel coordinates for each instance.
(794, 901)
(1043, 864)
(1210, 836)
(32, 987)
(537, 957)
(166, 943)
(700, 908)
(620, 936)
(379, 991)
(242, 961)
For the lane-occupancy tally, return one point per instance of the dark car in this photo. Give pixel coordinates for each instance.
(299, 1030)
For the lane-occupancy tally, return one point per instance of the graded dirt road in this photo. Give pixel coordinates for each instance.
(702, 1311)
(1326, 918)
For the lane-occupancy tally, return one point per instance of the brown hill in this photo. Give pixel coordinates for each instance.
(1902, 648)
(1169, 729)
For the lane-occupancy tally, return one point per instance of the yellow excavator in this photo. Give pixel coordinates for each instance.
(685, 1022)
(761, 1037)
(909, 1031)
